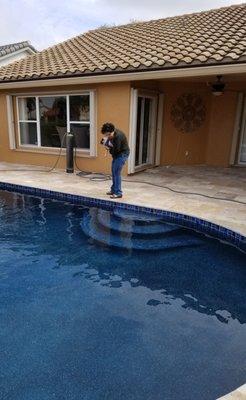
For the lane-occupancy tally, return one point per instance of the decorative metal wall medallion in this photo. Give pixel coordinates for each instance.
(188, 112)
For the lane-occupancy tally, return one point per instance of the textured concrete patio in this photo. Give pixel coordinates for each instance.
(227, 185)
(238, 394)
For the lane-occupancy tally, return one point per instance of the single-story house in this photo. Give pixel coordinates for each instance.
(15, 51)
(175, 86)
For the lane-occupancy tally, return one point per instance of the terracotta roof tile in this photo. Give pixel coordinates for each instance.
(11, 48)
(232, 55)
(210, 37)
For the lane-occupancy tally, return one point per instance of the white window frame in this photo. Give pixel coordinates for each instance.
(26, 121)
(91, 152)
(11, 122)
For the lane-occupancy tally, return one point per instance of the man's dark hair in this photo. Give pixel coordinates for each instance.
(108, 128)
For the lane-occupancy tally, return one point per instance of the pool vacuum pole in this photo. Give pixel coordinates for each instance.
(69, 153)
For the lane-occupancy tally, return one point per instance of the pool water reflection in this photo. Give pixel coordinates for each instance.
(81, 320)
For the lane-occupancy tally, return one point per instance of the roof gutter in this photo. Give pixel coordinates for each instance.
(190, 72)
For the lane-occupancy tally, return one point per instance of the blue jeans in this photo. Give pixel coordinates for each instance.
(117, 165)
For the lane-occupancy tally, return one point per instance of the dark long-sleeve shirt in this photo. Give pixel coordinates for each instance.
(120, 145)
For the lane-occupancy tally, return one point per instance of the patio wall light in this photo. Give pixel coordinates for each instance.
(218, 86)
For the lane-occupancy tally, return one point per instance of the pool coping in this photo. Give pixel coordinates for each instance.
(207, 227)
(237, 394)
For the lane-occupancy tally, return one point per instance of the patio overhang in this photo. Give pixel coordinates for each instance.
(172, 73)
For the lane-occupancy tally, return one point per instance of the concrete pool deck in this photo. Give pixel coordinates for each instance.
(238, 394)
(226, 183)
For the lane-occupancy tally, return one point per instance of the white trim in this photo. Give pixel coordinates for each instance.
(28, 121)
(38, 122)
(61, 94)
(11, 126)
(80, 122)
(47, 95)
(132, 129)
(18, 121)
(140, 147)
(151, 128)
(51, 150)
(68, 113)
(135, 94)
(160, 112)
(242, 132)
(236, 130)
(152, 138)
(29, 146)
(128, 76)
(57, 93)
(92, 123)
(24, 121)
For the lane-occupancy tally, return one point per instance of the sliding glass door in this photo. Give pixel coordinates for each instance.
(145, 131)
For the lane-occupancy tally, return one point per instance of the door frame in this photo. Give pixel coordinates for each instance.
(239, 126)
(155, 128)
(242, 132)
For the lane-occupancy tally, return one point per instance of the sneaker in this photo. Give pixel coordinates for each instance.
(109, 193)
(116, 196)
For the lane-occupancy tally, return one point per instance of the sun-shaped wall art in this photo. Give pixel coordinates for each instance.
(188, 112)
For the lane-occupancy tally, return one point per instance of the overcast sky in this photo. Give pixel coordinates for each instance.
(46, 22)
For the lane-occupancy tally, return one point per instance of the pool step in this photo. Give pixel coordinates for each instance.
(93, 229)
(120, 224)
(137, 217)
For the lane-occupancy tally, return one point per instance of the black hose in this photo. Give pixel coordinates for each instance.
(105, 177)
(96, 176)
(59, 155)
(182, 192)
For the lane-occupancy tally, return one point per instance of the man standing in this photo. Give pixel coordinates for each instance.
(116, 142)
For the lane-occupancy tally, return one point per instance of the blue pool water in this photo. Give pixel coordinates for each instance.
(110, 306)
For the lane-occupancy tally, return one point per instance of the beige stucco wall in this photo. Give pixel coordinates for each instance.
(221, 126)
(210, 144)
(113, 104)
(178, 147)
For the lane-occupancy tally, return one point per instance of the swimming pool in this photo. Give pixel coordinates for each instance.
(95, 306)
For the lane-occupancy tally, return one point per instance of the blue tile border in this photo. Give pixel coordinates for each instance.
(203, 226)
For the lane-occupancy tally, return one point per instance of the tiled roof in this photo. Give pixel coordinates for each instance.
(210, 37)
(11, 48)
